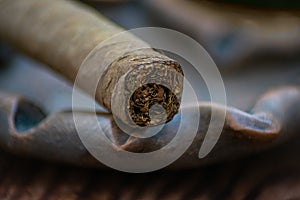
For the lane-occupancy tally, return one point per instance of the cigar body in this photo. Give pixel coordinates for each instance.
(58, 33)
(63, 35)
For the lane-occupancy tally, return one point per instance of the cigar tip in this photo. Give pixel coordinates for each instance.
(153, 104)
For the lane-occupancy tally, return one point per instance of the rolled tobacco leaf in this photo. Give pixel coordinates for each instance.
(65, 35)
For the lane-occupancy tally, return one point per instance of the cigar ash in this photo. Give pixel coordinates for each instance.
(153, 103)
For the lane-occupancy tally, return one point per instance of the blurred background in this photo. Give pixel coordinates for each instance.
(256, 46)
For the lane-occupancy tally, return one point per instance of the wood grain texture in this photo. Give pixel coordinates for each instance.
(270, 175)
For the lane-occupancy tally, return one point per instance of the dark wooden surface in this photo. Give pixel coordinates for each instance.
(272, 175)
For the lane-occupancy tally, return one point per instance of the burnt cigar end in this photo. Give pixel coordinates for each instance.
(153, 104)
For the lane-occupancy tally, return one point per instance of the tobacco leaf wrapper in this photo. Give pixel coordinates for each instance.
(66, 35)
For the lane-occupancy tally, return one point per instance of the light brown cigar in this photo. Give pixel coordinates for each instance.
(64, 34)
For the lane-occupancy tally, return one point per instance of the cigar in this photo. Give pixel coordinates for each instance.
(65, 35)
